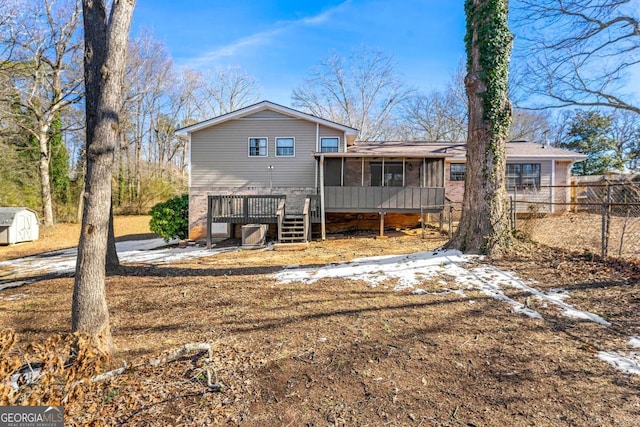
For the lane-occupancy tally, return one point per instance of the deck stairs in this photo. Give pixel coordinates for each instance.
(292, 229)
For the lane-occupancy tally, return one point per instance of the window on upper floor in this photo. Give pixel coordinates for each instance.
(457, 171)
(329, 145)
(523, 175)
(285, 147)
(257, 147)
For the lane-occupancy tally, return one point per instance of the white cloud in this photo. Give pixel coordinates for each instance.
(263, 37)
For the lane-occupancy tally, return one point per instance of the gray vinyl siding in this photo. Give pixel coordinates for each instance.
(537, 196)
(220, 155)
(265, 114)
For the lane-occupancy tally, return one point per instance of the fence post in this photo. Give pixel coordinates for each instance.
(512, 217)
(604, 232)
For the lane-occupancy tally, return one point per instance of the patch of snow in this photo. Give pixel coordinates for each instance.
(630, 365)
(489, 280)
(634, 342)
(151, 251)
(557, 294)
(410, 270)
(579, 314)
(26, 375)
(554, 298)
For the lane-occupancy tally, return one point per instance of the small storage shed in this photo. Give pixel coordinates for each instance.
(18, 225)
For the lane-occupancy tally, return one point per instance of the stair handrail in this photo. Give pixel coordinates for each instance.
(280, 213)
(305, 217)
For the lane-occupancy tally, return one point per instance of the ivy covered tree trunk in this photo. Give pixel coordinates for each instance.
(484, 225)
(105, 55)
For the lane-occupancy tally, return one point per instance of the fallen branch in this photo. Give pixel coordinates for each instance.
(175, 355)
(110, 374)
(182, 352)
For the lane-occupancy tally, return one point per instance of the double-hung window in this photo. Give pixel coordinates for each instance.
(523, 175)
(257, 147)
(329, 145)
(457, 171)
(285, 147)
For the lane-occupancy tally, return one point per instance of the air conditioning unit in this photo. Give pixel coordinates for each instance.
(254, 235)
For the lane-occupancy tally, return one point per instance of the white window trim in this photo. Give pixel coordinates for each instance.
(294, 146)
(330, 137)
(249, 145)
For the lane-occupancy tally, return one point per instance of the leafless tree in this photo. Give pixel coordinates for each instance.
(44, 72)
(529, 125)
(625, 131)
(106, 37)
(438, 115)
(362, 91)
(227, 89)
(579, 52)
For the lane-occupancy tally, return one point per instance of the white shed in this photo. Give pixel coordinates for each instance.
(18, 225)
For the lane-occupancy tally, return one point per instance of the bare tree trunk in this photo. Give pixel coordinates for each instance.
(105, 56)
(45, 182)
(484, 226)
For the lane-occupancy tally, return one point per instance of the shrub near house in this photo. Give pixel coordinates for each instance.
(170, 219)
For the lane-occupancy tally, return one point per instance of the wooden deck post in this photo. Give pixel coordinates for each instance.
(323, 225)
(382, 214)
(209, 203)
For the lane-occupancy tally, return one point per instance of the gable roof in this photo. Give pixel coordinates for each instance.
(7, 215)
(457, 151)
(261, 106)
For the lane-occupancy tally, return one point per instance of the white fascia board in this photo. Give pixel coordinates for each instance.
(261, 106)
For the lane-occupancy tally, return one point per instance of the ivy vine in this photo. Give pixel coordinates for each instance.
(488, 20)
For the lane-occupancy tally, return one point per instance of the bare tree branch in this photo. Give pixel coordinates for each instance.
(579, 52)
(362, 91)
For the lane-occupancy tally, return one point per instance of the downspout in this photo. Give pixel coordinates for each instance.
(553, 181)
(403, 171)
(317, 149)
(323, 226)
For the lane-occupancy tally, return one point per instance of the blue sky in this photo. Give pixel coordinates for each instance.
(278, 42)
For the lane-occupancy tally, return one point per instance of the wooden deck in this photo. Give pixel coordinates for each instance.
(244, 209)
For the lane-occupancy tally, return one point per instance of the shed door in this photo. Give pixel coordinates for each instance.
(23, 228)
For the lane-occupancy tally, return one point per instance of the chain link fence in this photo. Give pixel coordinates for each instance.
(599, 215)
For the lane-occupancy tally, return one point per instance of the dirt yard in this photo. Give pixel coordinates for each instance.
(62, 236)
(345, 353)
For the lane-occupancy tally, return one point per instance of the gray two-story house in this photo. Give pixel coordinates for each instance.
(270, 164)
(267, 163)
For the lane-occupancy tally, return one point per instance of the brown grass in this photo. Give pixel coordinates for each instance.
(344, 353)
(62, 236)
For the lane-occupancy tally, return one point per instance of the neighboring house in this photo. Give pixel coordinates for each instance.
(270, 164)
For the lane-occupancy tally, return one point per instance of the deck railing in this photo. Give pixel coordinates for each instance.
(389, 199)
(245, 209)
(314, 208)
(280, 214)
